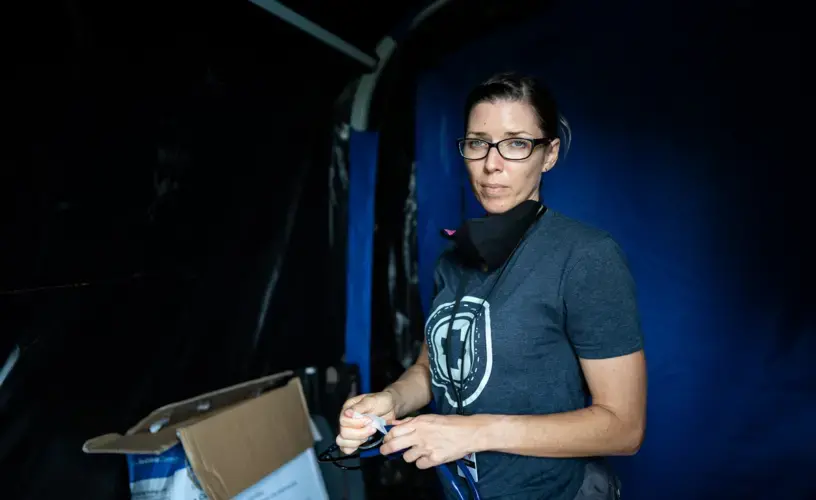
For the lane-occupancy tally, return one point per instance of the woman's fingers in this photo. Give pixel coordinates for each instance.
(353, 401)
(400, 422)
(357, 434)
(348, 446)
(354, 423)
(411, 455)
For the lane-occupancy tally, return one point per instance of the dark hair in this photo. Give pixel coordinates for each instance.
(515, 87)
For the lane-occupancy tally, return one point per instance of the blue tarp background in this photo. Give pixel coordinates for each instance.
(685, 148)
(363, 151)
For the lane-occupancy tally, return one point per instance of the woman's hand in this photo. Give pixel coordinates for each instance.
(356, 431)
(430, 440)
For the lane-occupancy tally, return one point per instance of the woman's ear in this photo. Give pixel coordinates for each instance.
(551, 155)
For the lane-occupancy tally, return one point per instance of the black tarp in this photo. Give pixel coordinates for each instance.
(177, 220)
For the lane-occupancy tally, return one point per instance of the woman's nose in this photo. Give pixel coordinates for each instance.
(493, 161)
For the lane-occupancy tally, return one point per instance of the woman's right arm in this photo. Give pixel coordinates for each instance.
(409, 393)
(412, 390)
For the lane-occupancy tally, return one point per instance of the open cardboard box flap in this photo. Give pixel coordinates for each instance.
(233, 437)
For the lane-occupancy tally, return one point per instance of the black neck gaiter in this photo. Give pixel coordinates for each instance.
(487, 242)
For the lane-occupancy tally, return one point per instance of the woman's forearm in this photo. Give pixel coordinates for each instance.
(412, 390)
(592, 431)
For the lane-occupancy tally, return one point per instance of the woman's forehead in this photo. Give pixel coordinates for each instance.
(501, 119)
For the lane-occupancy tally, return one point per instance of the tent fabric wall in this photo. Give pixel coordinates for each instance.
(674, 136)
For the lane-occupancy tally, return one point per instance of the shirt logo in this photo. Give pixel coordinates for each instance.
(471, 348)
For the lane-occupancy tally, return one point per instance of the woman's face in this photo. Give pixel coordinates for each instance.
(500, 184)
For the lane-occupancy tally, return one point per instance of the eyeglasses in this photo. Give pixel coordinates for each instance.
(514, 148)
(369, 449)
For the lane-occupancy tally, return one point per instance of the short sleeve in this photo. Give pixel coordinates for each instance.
(602, 318)
(437, 284)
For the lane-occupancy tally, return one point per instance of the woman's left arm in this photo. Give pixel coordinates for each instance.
(613, 425)
(603, 326)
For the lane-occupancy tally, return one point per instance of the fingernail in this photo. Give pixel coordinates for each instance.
(348, 413)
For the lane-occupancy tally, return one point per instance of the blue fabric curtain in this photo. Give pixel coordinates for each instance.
(685, 135)
(363, 149)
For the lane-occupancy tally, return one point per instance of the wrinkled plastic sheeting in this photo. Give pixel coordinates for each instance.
(98, 358)
(397, 312)
(403, 288)
(53, 398)
(338, 186)
(338, 221)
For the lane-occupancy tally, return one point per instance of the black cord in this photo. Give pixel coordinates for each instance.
(460, 292)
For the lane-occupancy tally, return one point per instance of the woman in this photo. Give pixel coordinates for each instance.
(544, 316)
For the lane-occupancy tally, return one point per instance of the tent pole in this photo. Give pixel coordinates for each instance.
(285, 13)
(361, 105)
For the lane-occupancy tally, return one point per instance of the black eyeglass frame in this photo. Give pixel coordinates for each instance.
(490, 145)
(367, 450)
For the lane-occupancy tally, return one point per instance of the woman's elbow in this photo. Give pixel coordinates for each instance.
(633, 439)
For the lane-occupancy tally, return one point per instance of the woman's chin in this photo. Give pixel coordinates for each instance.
(496, 205)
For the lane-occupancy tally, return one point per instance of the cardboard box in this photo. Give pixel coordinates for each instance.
(250, 441)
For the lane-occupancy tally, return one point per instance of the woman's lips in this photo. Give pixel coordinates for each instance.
(493, 189)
